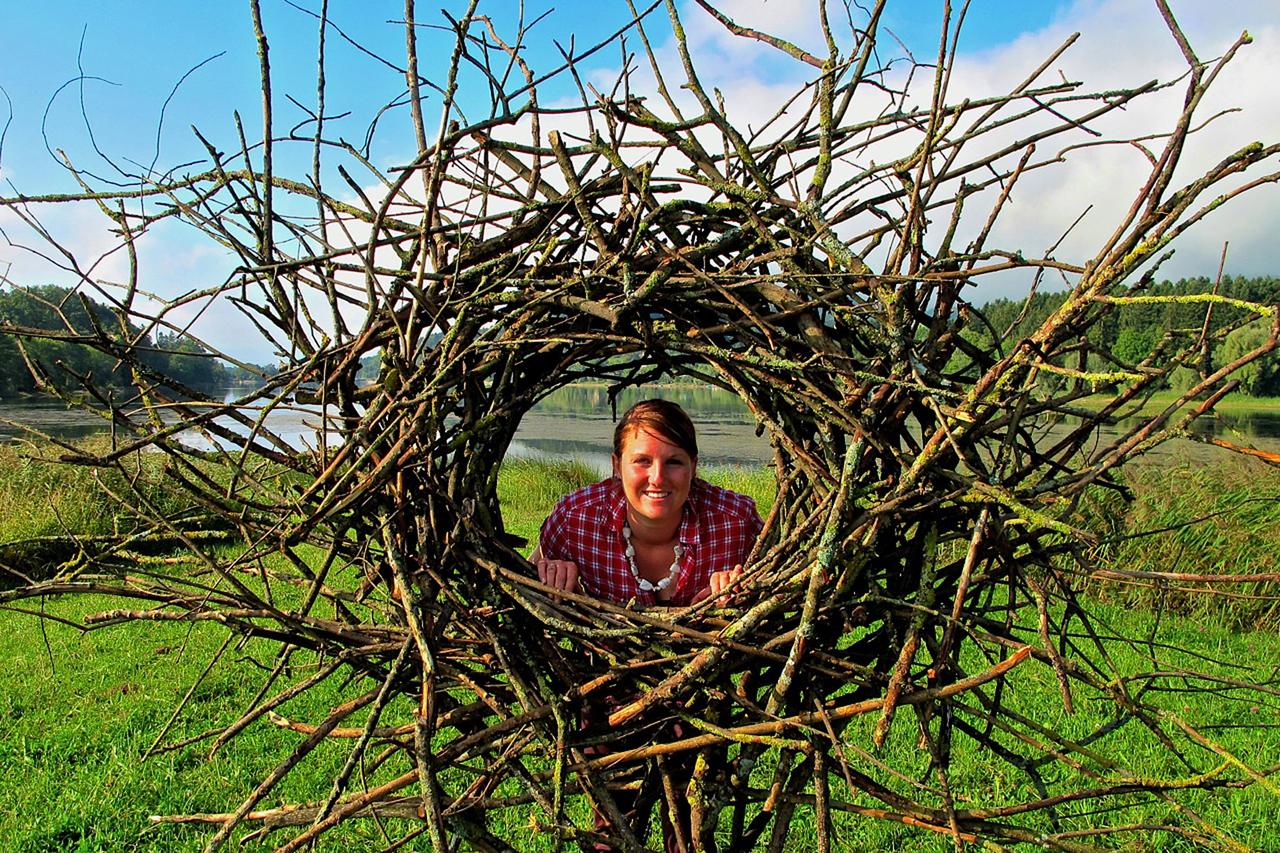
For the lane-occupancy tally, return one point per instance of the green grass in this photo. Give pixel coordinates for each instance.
(41, 501)
(1232, 404)
(1212, 520)
(72, 738)
(528, 488)
(1243, 722)
(79, 710)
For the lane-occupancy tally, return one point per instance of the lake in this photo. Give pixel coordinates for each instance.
(576, 421)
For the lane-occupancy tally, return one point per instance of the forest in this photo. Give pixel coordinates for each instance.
(1150, 331)
(58, 320)
(1131, 334)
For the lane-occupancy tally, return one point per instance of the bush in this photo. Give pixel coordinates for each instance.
(1260, 377)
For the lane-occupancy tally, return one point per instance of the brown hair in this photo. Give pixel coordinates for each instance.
(661, 417)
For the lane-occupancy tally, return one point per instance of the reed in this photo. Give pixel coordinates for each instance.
(55, 517)
(1189, 541)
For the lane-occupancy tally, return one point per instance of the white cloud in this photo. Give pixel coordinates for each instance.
(1123, 43)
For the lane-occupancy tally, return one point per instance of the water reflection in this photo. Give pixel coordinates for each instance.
(51, 417)
(707, 401)
(1257, 424)
(297, 426)
(577, 421)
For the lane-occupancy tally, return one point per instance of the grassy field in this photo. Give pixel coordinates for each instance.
(72, 777)
(1232, 404)
(79, 710)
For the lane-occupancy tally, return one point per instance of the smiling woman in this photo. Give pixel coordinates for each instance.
(653, 532)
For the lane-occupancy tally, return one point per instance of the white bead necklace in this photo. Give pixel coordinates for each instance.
(644, 584)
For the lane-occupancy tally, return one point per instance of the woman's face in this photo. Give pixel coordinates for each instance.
(655, 475)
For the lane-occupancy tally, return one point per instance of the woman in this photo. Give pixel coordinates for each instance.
(653, 532)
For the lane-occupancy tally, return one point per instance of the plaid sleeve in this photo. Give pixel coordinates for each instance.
(579, 529)
(737, 524)
(552, 539)
(728, 525)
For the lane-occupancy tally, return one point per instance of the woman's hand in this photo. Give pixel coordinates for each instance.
(721, 583)
(561, 574)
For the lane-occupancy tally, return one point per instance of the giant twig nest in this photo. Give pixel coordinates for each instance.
(923, 545)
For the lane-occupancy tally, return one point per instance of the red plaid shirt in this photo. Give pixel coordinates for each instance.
(717, 529)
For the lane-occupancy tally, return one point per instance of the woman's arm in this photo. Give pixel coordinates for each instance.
(732, 541)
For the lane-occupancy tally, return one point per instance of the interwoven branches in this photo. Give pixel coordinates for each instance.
(924, 540)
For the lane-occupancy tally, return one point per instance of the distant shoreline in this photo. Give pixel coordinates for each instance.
(1234, 404)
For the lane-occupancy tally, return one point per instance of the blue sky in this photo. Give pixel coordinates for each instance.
(133, 54)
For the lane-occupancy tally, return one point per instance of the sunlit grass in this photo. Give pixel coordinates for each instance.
(1207, 520)
(73, 735)
(1238, 403)
(80, 710)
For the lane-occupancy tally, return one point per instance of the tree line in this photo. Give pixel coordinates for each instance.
(1134, 332)
(65, 363)
(1131, 334)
